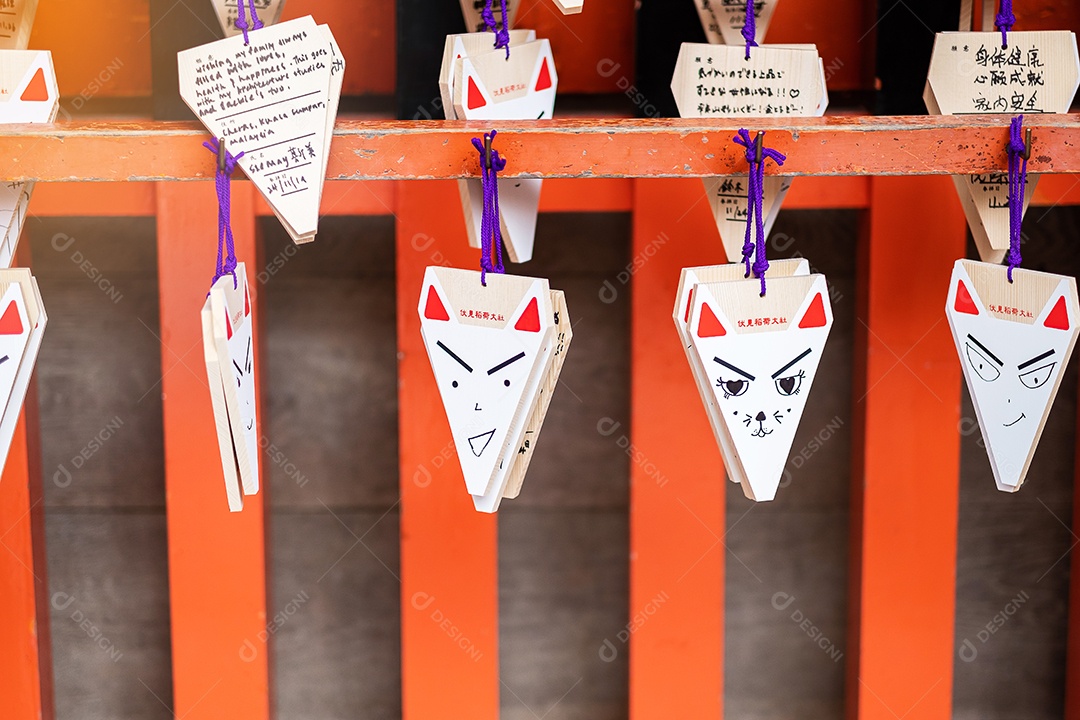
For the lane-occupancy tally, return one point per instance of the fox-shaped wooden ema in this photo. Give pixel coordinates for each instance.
(230, 364)
(684, 298)
(29, 95)
(780, 80)
(490, 87)
(761, 355)
(490, 349)
(1014, 341)
(1038, 72)
(22, 326)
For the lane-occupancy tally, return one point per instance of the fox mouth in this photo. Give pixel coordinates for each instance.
(1022, 416)
(479, 443)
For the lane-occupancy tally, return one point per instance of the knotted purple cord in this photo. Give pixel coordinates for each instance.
(226, 251)
(241, 19)
(755, 199)
(749, 30)
(502, 36)
(490, 228)
(1018, 155)
(1004, 20)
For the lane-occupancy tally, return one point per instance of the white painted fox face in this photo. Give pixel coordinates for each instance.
(1012, 355)
(761, 364)
(482, 370)
(521, 88)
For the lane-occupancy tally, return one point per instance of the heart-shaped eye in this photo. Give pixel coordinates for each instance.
(733, 388)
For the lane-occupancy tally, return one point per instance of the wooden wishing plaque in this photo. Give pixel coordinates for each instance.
(490, 87)
(496, 354)
(28, 94)
(464, 45)
(269, 12)
(972, 73)
(16, 22)
(230, 368)
(709, 81)
(760, 356)
(723, 20)
(275, 100)
(22, 326)
(684, 298)
(1014, 341)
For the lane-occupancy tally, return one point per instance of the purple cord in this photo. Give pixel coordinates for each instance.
(490, 228)
(1005, 20)
(241, 19)
(755, 199)
(502, 36)
(749, 30)
(226, 251)
(1018, 151)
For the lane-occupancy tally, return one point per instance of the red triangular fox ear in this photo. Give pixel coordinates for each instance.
(10, 322)
(434, 309)
(964, 303)
(814, 317)
(247, 302)
(708, 324)
(1058, 319)
(529, 320)
(36, 91)
(543, 81)
(476, 98)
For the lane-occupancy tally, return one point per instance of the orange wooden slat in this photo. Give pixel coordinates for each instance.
(78, 199)
(366, 32)
(449, 567)
(25, 655)
(905, 485)
(581, 195)
(841, 30)
(593, 49)
(217, 559)
(99, 49)
(677, 480)
(1072, 657)
(391, 150)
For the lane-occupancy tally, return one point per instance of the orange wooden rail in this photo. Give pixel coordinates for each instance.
(217, 562)
(384, 150)
(905, 476)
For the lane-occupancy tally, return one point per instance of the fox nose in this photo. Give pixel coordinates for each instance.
(760, 417)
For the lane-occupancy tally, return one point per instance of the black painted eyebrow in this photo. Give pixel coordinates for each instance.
(985, 350)
(729, 366)
(1036, 359)
(803, 354)
(451, 354)
(4, 359)
(504, 363)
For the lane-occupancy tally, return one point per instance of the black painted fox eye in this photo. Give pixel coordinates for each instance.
(790, 385)
(1037, 378)
(982, 366)
(733, 388)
